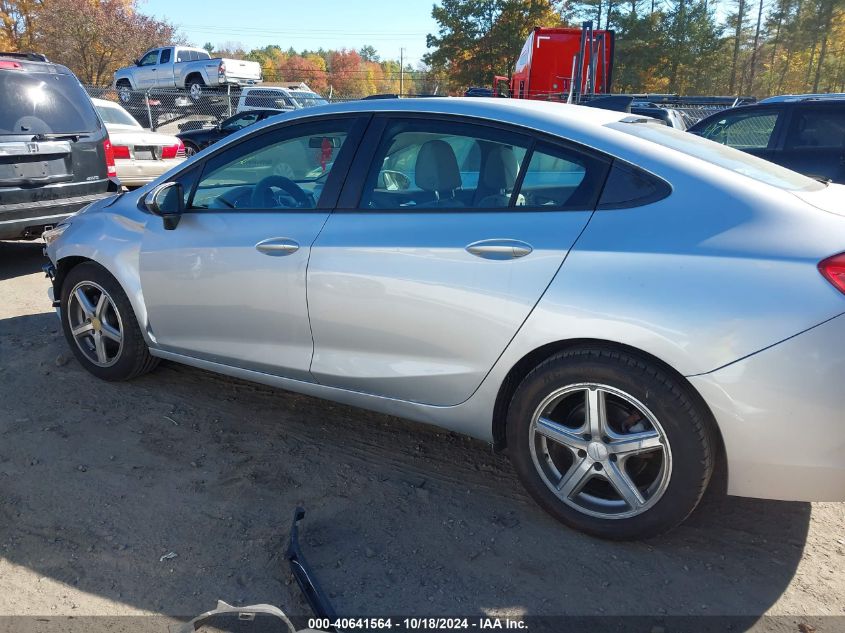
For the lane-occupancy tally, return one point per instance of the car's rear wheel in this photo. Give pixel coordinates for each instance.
(196, 87)
(100, 325)
(610, 444)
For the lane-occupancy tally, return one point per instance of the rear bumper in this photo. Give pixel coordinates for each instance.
(134, 173)
(240, 81)
(30, 219)
(781, 413)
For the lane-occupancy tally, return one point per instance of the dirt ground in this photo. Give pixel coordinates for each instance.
(99, 481)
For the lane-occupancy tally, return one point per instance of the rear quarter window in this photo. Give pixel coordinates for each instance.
(628, 186)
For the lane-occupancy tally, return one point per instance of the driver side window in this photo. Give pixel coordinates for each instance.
(240, 121)
(150, 59)
(286, 168)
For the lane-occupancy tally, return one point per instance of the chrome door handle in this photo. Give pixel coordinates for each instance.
(277, 246)
(499, 249)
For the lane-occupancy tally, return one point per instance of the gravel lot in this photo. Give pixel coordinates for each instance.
(98, 481)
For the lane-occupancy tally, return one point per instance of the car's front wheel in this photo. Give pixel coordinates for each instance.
(100, 325)
(609, 443)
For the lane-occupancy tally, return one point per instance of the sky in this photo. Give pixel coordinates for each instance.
(387, 25)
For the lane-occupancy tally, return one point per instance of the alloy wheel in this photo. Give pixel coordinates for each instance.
(600, 451)
(95, 324)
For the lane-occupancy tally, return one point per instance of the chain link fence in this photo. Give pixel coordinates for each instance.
(172, 111)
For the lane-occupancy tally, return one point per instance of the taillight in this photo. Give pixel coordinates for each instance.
(111, 170)
(222, 69)
(9, 65)
(173, 151)
(833, 269)
(120, 151)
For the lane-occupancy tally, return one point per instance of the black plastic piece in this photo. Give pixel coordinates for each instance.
(314, 595)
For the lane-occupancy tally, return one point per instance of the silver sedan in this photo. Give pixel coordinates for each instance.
(619, 305)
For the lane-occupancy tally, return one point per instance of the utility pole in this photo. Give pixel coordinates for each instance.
(401, 71)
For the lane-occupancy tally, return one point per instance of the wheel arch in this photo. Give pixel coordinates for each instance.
(63, 267)
(64, 264)
(194, 74)
(533, 358)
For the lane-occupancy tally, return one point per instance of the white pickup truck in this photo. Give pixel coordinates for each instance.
(184, 67)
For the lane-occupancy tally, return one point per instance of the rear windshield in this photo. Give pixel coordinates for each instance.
(42, 103)
(721, 155)
(308, 99)
(116, 115)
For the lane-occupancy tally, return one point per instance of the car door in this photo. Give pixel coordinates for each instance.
(446, 236)
(815, 141)
(145, 74)
(228, 284)
(752, 130)
(163, 71)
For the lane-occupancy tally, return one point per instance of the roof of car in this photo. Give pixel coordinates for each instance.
(578, 123)
(105, 102)
(510, 110)
(34, 62)
(834, 96)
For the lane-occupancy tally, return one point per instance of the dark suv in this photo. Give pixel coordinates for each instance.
(55, 155)
(803, 133)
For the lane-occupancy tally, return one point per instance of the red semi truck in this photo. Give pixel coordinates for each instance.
(560, 64)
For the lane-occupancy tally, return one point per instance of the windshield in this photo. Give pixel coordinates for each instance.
(116, 115)
(308, 99)
(721, 155)
(41, 103)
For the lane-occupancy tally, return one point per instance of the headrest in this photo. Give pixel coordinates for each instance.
(501, 169)
(437, 167)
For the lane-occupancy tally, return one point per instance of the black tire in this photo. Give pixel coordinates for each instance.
(195, 85)
(133, 358)
(124, 93)
(684, 424)
(190, 148)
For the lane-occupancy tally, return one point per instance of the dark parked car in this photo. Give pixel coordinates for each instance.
(805, 134)
(476, 91)
(195, 140)
(55, 154)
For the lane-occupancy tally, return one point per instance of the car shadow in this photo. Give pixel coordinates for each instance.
(177, 489)
(21, 258)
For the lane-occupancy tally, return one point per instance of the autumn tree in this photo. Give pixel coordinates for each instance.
(92, 37)
(478, 39)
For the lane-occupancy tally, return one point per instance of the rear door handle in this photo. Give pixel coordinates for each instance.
(277, 246)
(499, 249)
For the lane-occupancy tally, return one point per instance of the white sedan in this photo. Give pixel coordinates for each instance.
(141, 156)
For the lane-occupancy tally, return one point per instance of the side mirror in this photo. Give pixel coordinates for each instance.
(167, 202)
(137, 62)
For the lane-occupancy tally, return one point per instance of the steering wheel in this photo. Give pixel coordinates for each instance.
(263, 187)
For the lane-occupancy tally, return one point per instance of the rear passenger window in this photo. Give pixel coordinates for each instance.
(424, 164)
(817, 128)
(628, 186)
